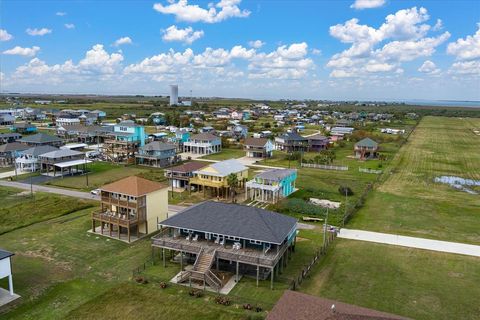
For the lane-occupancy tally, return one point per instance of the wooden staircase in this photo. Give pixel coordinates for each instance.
(201, 270)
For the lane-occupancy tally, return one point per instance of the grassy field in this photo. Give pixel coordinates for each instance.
(104, 172)
(225, 154)
(18, 209)
(413, 283)
(410, 202)
(61, 272)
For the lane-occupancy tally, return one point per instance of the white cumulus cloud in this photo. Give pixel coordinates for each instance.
(69, 25)
(61, 13)
(38, 32)
(122, 41)
(222, 10)
(257, 44)
(367, 4)
(26, 52)
(466, 49)
(4, 35)
(401, 38)
(429, 67)
(187, 35)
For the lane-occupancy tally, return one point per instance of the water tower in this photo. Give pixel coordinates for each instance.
(173, 94)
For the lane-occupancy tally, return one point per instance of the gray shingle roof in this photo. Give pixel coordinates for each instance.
(204, 136)
(40, 138)
(234, 220)
(38, 150)
(367, 142)
(60, 153)
(292, 136)
(12, 146)
(158, 146)
(5, 254)
(276, 174)
(317, 136)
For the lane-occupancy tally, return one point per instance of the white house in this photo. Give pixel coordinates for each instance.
(6, 271)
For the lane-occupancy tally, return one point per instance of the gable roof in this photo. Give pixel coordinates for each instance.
(38, 150)
(292, 136)
(317, 136)
(187, 167)
(367, 142)
(158, 146)
(301, 306)
(12, 146)
(226, 167)
(204, 136)
(276, 174)
(60, 153)
(133, 186)
(256, 142)
(5, 254)
(40, 138)
(234, 220)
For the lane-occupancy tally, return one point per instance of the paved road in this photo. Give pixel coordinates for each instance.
(71, 193)
(65, 192)
(411, 242)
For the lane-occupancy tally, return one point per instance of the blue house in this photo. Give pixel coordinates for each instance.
(271, 185)
(182, 136)
(125, 140)
(128, 131)
(157, 154)
(23, 128)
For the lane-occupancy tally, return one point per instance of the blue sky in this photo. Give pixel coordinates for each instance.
(356, 49)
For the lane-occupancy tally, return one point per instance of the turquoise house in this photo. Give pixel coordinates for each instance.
(182, 136)
(128, 131)
(271, 185)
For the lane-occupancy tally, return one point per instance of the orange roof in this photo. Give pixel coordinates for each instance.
(133, 186)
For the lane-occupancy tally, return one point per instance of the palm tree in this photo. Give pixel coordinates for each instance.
(232, 181)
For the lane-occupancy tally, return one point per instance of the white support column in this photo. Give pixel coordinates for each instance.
(10, 284)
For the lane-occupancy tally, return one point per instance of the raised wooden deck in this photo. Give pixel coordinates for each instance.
(244, 255)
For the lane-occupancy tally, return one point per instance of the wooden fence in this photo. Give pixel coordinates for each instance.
(324, 167)
(295, 283)
(370, 171)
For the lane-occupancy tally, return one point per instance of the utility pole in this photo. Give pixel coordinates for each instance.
(31, 187)
(86, 171)
(325, 229)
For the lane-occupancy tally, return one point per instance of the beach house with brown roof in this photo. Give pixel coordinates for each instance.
(258, 147)
(179, 176)
(130, 208)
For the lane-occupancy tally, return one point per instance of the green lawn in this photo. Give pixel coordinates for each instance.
(101, 173)
(225, 154)
(414, 283)
(410, 202)
(61, 272)
(19, 209)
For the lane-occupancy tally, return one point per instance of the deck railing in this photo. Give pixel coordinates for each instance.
(258, 258)
(117, 219)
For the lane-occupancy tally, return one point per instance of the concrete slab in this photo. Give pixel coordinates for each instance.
(411, 242)
(6, 298)
(224, 290)
(106, 233)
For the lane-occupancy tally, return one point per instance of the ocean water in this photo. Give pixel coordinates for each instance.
(443, 103)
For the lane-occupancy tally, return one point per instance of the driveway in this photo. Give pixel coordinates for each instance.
(411, 242)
